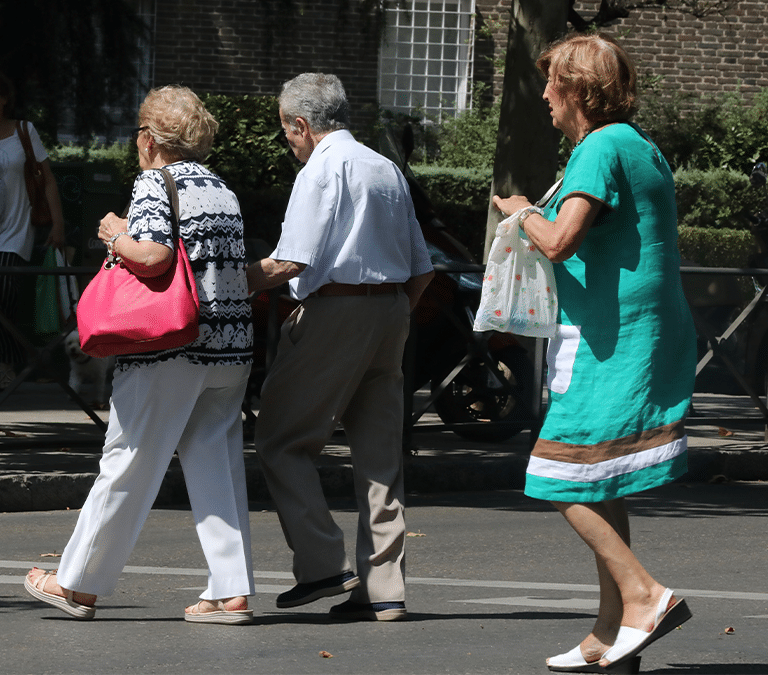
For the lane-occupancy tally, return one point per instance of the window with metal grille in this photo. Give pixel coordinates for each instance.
(425, 62)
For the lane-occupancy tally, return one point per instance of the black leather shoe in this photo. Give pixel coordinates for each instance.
(374, 611)
(301, 594)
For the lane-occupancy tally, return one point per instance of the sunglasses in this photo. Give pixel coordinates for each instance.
(135, 133)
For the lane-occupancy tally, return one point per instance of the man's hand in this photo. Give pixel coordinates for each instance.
(415, 286)
(268, 273)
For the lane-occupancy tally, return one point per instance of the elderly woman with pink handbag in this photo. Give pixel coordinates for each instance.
(185, 399)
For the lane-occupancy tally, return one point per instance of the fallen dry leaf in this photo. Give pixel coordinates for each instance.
(325, 654)
(722, 431)
(730, 630)
(415, 534)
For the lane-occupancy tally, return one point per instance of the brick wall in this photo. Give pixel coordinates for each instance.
(698, 56)
(492, 29)
(251, 47)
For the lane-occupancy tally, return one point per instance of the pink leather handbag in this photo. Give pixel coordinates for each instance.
(120, 313)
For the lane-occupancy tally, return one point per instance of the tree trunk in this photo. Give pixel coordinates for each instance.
(527, 143)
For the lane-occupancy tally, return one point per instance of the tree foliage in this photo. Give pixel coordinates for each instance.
(469, 139)
(249, 151)
(726, 132)
(609, 10)
(71, 59)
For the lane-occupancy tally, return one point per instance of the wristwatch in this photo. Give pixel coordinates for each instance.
(527, 211)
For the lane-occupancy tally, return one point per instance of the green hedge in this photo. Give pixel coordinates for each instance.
(710, 247)
(248, 151)
(250, 154)
(460, 198)
(715, 198)
(465, 187)
(122, 156)
(713, 231)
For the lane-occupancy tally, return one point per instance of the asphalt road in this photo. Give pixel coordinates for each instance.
(496, 583)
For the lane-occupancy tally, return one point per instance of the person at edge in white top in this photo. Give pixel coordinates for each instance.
(17, 236)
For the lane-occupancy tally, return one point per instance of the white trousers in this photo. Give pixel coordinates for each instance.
(156, 410)
(339, 360)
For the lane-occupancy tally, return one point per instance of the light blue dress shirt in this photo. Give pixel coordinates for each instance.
(351, 220)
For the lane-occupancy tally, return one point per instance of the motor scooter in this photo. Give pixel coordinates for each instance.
(480, 384)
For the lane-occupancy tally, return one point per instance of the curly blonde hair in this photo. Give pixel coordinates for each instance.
(597, 71)
(179, 122)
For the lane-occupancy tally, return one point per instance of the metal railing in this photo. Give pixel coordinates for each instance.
(40, 356)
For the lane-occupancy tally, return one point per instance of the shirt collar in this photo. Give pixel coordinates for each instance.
(329, 139)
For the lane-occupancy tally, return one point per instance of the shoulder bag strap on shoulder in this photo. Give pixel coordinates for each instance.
(549, 194)
(173, 198)
(21, 128)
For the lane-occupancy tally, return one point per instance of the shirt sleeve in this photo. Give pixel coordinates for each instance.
(594, 170)
(421, 262)
(149, 218)
(308, 219)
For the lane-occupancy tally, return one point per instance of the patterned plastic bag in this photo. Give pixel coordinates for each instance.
(519, 294)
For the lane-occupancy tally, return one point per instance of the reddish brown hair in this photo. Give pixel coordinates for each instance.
(597, 71)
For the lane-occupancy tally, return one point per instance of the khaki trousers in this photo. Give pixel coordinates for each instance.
(339, 360)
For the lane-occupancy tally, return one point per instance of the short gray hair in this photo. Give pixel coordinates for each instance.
(318, 98)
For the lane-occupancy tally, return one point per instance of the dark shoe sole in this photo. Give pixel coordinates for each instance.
(328, 592)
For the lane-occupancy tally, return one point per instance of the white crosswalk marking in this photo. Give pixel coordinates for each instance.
(528, 601)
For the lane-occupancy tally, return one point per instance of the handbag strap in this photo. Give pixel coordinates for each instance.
(26, 143)
(549, 194)
(173, 198)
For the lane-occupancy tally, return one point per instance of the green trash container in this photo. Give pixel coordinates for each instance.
(88, 190)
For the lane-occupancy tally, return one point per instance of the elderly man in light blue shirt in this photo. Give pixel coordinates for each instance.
(353, 252)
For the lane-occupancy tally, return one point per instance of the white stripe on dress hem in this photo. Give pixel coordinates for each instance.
(591, 473)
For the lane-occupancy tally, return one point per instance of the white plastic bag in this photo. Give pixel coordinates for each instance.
(519, 294)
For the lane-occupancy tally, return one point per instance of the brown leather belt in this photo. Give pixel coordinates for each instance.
(355, 289)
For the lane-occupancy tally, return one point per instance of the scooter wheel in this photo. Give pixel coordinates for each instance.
(480, 407)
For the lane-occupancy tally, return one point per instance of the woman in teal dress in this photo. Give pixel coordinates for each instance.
(621, 366)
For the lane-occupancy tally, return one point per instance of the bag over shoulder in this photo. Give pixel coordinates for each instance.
(121, 313)
(40, 215)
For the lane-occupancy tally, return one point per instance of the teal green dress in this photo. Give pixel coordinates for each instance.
(622, 365)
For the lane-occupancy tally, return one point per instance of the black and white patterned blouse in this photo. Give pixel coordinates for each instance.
(212, 230)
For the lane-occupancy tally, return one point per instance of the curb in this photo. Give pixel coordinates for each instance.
(423, 475)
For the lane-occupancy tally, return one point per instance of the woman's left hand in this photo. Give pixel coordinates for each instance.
(110, 225)
(511, 204)
(56, 237)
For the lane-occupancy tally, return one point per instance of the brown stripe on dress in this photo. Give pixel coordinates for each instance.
(619, 447)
